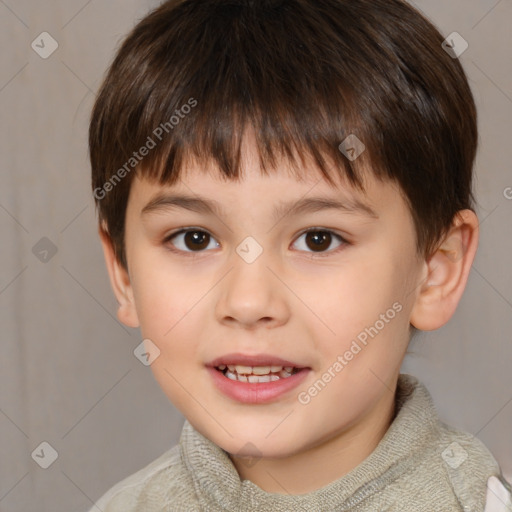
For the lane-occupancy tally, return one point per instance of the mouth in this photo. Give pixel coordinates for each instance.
(257, 374)
(256, 379)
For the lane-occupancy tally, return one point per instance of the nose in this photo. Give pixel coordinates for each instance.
(251, 295)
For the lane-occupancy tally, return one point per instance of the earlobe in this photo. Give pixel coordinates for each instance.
(120, 282)
(447, 272)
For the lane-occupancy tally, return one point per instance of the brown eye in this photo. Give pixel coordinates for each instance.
(319, 241)
(196, 240)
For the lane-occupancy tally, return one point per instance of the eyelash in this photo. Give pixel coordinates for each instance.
(323, 254)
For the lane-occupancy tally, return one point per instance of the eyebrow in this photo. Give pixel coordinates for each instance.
(282, 209)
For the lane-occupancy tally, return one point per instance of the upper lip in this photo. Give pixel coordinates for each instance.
(252, 360)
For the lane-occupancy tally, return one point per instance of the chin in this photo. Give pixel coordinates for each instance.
(254, 444)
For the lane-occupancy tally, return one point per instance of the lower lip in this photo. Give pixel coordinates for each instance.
(256, 392)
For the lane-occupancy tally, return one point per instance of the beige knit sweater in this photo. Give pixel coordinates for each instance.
(420, 465)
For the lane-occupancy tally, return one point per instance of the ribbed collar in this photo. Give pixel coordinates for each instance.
(218, 485)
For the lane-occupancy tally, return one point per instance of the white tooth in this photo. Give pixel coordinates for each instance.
(288, 369)
(231, 367)
(284, 374)
(261, 370)
(253, 378)
(222, 367)
(243, 369)
(242, 378)
(274, 377)
(276, 369)
(264, 378)
(231, 376)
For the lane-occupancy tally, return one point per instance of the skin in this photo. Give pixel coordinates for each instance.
(291, 302)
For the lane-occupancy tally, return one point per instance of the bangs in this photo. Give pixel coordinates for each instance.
(215, 140)
(244, 74)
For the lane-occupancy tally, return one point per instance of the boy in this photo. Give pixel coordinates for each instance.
(284, 196)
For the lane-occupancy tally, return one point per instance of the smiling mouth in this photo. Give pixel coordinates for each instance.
(257, 374)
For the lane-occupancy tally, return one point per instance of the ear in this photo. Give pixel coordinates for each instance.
(447, 272)
(120, 282)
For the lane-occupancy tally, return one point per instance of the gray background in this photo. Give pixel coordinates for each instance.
(68, 375)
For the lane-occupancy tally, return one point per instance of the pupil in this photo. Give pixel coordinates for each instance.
(196, 239)
(320, 238)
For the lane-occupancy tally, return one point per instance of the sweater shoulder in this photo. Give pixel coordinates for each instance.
(467, 465)
(452, 471)
(458, 447)
(149, 488)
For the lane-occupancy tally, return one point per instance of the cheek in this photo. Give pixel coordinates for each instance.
(162, 296)
(355, 296)
(170, 316)
(366, 314)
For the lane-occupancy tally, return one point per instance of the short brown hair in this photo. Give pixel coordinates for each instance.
(304, 74)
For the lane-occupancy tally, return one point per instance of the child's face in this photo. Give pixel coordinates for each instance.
(202, 299)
